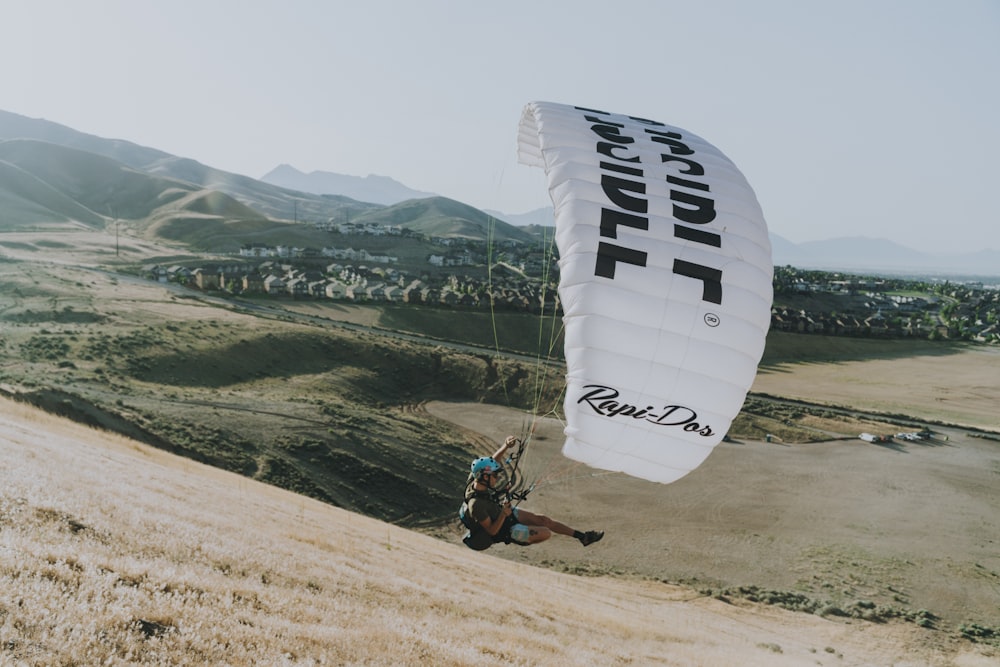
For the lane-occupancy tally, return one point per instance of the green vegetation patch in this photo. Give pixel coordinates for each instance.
(65, 316)
(860, 609)
(533, 335)
(45, 348)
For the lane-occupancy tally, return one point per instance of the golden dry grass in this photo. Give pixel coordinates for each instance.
(115, 553)
(958, 387)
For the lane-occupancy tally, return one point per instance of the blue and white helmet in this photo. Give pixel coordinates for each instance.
(484, 466)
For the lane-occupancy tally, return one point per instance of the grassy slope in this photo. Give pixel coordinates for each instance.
(27, 201)
(99, 184)
(116, 553)
(440, 216)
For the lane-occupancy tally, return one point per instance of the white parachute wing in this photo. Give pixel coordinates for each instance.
(665, 283)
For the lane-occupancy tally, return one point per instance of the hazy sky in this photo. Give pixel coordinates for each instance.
(876, 118)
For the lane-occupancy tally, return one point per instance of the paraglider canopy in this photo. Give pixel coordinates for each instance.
(666, 272)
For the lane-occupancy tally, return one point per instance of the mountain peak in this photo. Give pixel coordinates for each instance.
(281, 171)
(371, 188)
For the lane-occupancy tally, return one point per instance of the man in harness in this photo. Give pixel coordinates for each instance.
(490, 517)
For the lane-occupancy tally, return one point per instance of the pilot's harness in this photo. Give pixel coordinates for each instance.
(514, 492)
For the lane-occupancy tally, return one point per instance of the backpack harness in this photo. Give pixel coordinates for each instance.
(476, 537)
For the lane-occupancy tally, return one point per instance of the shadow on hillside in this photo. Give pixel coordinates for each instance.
(784, 351)
(366, 369)
(14, 245)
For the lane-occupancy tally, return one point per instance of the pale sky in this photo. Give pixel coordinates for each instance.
(876, 118)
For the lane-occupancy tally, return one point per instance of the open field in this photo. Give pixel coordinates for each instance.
(954, 385)
(117, 553)
(815, 520)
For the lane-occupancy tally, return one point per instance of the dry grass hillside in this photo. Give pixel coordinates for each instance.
(112, 552)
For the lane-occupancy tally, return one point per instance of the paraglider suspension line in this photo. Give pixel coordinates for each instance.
(517, 486)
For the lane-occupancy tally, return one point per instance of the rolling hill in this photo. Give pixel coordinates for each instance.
(269, 200)
(106, 188)
(16, 126)
(28, 201)
(49, 172)
(443, 217)
(43, 183)
(114, 181)
(117, 553)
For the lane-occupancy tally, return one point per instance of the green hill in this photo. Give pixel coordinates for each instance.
(101, 185)
(53, 174)
(15, 126)
(26, 201)
(43, 182)
(222, 234)
(273, 201)
(269, 200)
(443, 217)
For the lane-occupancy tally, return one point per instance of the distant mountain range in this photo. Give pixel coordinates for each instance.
(377, 189)
(50, 173)
(860, 254)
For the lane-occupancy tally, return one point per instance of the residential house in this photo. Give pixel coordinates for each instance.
(394, 294)
(430, 295)
(180, 274)
(413, 293)
(357, 292)
(297, 287)
(206, 280)
(254, 250)
(159, 273)
(275, 285)
(336, 290)
(253, 283)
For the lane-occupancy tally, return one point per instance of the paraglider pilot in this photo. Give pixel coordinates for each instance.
(491, 519)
